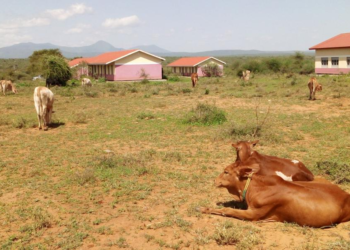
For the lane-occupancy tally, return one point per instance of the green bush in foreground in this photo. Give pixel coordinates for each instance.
(206, 114)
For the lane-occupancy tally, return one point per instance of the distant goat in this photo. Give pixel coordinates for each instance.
(245, 75)
(7, 85)
(86, 82)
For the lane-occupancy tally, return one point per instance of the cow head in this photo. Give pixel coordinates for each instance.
(244, 149)
(14, 90)
(319, 87)
(234, 178)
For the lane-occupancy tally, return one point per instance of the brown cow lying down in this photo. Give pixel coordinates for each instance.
(270, 198)
(289, 170)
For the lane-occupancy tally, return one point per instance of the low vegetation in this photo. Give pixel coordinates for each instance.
(125, 165)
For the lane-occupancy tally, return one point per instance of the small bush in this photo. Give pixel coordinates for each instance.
(206, 114)
(23, 123)
(101, 79)
(85, 176)
(80, 118)
(336, 172)
(235, 130)
(90, 93)
(146, 116)
(155, 91)
(244, 237)
(206, 92)
(173, 78)
(186, 91)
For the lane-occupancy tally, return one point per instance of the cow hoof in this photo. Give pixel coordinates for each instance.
(45, 129)
(39, 128)
(203, 210)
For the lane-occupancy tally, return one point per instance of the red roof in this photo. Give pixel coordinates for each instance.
(76, 61)
(339, 41)
(191, 61)
(108, 57)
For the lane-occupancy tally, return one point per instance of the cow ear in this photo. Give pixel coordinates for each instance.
(247, 170)
(244, 172)
(236, 146)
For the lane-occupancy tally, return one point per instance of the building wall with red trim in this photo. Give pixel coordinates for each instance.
(332, 71)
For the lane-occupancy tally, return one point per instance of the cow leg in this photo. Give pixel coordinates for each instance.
(39, 120)
(249, 214)
(44, 116)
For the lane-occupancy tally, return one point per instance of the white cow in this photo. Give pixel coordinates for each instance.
(7, 85)
(43, 102)
(86, 82)
(245, 75)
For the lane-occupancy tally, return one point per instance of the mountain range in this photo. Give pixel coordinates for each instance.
(24, 50)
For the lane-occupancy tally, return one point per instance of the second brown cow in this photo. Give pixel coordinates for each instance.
(269, 198)
(289, 170)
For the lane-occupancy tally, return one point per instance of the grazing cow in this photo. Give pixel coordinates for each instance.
(269, 198)
(313, 87)
(289, 170)
(86, 82)
(43, 102)
(245, 75)
(194, 78)
(7, 85)
(37, 78)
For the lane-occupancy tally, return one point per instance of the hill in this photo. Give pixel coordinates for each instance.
(24, 50)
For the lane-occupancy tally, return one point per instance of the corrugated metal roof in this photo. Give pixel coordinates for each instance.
(339, 41)
(108, 57)
(191, 61)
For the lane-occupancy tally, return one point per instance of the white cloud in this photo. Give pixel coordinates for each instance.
(63, 14)
(13, 38)
(22, 23)
(78, 29)
(74, 30)
(121, 22)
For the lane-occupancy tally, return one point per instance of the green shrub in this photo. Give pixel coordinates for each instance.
(185, 91)
(336, 172)
(173, 78)
(206, 114)
(242, 236)
(146, 116)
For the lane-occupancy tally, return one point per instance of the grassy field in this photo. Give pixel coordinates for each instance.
(125, 165)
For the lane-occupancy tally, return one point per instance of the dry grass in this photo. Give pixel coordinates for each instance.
(120, 168)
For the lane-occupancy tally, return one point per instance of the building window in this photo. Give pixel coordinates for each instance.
(324, 61)
(335, 61)
(348, 61)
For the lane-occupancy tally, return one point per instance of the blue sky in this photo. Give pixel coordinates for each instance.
(177, 25)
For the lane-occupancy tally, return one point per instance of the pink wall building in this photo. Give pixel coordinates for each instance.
(187, 65)
(333, 55)
(126, 65)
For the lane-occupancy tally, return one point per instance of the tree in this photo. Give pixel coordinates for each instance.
(36, 60)
(56, 70)
(211, 69)
(274, 65)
